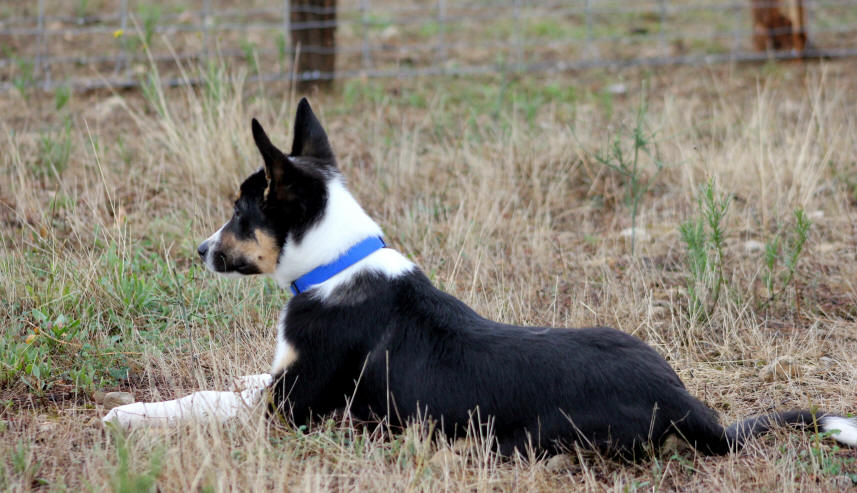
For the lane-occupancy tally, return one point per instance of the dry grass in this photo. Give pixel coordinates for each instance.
(493, 187)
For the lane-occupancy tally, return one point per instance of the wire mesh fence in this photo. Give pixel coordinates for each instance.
(88, 44)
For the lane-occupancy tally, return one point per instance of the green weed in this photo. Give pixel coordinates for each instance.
(126, 154)
(826, 460)
(360, 92)
(377, 20)
(152, 92)
(124, 478)
(149, 14)
(146, 26)
(54, 151)
(81, 8)
(62, 94)
(24, 77)
(627, 162)
(430, 28)
(782, 254)
(249, 48)
(42, 348)
(128, 283)
(24, 360)
(24, 463)
(282, 49)
(704, 239)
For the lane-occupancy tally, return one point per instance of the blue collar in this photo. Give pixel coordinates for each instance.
(322, 273)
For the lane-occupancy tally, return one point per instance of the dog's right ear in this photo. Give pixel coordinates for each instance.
(310, 138)
(276, 163)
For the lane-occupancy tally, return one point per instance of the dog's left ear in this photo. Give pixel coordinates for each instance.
(310, 138)
(278, 169)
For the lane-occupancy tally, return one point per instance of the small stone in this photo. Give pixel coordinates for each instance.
(637, 233)
(617, 89)
(47, 427)
(676, 445)
(461, 446)
(825, 189)
(105, 108)
(782, 368)
(826, 362)
(389, 33)
(842, 482)
(753, 246)
(815, 215)
(185, 17)
(98, 396)
(135, 370)
(559, 463)
(660, 311)
(443, 458)
(827, 247)
(113, 399)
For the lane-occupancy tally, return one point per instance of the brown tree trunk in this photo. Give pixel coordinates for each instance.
(778, 25)
(313, 35)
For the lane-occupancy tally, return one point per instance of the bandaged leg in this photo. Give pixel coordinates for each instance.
(199, 405)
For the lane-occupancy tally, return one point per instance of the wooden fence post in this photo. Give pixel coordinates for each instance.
(777, 28)
(313, 36)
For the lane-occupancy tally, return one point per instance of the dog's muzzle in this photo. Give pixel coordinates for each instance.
(216, 260)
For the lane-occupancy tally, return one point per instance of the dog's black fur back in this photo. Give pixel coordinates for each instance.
(544, 387)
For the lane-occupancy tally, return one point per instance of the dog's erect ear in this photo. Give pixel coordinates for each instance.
(279, 170)
(310, 138)
(275, 161)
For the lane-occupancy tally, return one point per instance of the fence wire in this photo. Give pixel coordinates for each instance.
(125, 43)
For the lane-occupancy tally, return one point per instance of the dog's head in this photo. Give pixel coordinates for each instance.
(277, 204)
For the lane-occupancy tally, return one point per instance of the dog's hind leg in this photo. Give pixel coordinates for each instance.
(199, 405)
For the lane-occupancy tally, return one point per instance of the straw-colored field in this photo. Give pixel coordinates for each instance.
(510, 193)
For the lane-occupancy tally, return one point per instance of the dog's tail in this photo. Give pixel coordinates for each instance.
(706, 434)
(842, 429)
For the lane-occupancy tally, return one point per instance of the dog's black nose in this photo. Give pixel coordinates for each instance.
(202, 249)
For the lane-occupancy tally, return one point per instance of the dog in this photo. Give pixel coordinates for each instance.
(366, 331)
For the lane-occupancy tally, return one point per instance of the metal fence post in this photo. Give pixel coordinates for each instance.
(122, 60)
(206, 19)
(364, 20)
(518, 49)
(40, 66)
(285, 34)
(662, 42)
(807, 12)
(587, 12)
(442, 53)
(736, 32)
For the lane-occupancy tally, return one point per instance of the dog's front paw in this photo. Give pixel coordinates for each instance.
(127, 416)
(248, 382)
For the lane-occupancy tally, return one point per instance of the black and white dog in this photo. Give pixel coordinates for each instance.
(367, 330)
